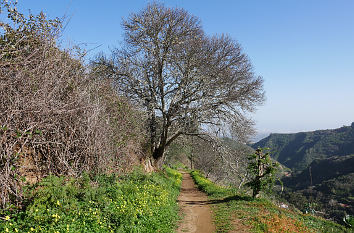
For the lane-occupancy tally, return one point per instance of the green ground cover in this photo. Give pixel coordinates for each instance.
(136, 202)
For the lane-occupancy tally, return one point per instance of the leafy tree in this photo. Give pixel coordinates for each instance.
(263, 170)
(185, 80)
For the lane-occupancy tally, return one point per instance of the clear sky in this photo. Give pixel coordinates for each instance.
(304, 49)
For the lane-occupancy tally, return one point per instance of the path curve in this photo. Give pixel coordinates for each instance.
(194, 205)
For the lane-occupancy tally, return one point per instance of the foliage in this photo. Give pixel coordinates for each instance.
(327, 182)
(179, 165)
(257, 215)
(183, 78)
(180, 151)
(322, 169)
(263, 170)
(135, 202)
(298, 150)
(55, 118)
(206, 185)
(349, 221)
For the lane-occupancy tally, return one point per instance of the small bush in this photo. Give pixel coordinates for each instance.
(208, 186)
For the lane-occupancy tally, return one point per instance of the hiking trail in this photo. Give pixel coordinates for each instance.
(194, 204)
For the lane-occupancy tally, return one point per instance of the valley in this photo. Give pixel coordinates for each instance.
(321, 175)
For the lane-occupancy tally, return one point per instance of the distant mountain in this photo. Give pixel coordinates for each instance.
(298, 150)
(258, 137)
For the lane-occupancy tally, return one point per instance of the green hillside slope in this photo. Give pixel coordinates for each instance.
(321, 170)
(298, 150)
(235, 212)
(328, 184)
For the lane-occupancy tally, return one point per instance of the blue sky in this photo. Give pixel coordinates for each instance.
(304, 49)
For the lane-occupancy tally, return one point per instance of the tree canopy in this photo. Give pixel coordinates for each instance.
(184, 79)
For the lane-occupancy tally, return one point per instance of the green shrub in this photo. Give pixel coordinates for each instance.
(209, 187)
(179, 165)
(263, 170)
(349, 221)
(136, 202)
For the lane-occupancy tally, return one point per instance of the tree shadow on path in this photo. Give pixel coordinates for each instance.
(218, 201)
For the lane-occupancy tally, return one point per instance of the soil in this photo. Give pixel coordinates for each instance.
(237, 224)
(194, 204)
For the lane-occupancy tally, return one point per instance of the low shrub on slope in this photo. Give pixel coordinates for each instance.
(135, 202)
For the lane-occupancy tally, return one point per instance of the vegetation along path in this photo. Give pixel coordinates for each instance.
(194, 205)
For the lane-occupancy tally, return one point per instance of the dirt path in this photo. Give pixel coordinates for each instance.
(195, 208)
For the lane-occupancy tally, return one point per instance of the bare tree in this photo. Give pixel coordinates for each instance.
(184, 79)
(222, 159)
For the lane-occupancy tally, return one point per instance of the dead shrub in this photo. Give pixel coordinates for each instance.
(55, 118)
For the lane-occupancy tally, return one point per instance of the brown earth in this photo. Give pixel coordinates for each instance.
(194, 204)
(239, 227)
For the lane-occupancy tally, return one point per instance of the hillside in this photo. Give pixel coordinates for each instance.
(236, 212)
(327, 184)
(321, 170)
(298, 150)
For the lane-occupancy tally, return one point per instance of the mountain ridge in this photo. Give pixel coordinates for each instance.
(298, 150)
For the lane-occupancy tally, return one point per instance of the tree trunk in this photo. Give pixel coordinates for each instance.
(158, 156)
(148, 164)
(257, 187)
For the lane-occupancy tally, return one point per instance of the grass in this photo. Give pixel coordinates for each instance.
(179, 165)
(257, 215)
(136, 202)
